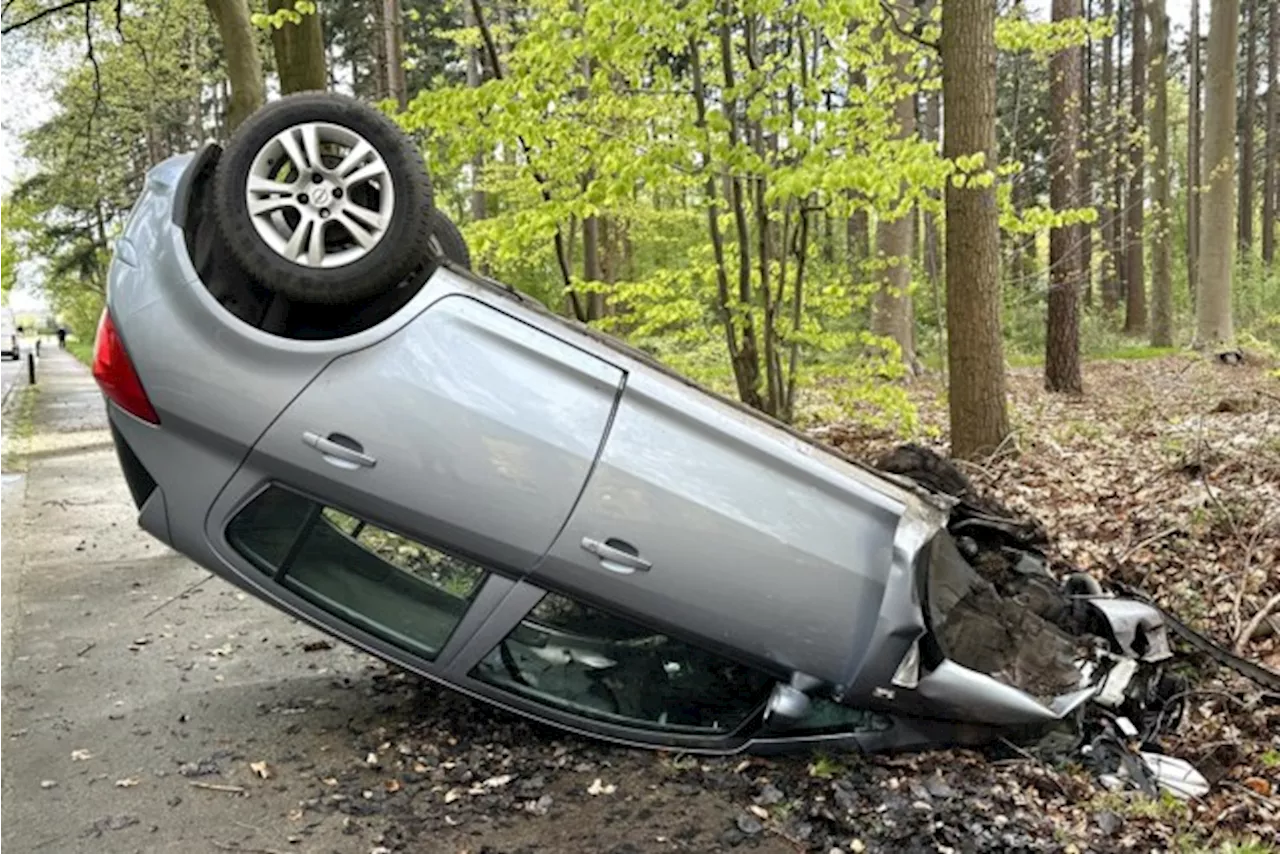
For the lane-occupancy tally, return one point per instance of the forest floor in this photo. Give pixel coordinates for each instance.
(227, 726)
(1165, 474)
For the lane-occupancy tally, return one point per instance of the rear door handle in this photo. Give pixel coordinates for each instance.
(616, 555)
(339, 450)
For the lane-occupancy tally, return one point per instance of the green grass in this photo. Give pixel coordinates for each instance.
(82, 350)
(1135, 352)
(19, 427)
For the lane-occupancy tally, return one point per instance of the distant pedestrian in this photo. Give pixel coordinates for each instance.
(62, 338)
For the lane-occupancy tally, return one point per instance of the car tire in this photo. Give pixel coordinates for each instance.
(350, 227)
(447, 241)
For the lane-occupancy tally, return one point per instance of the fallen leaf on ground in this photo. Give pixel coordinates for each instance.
(598, 787)
(261, 769)
(1259, 785)
(127, 782)
(80, 755)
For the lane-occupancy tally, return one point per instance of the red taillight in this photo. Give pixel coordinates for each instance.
(114, 372)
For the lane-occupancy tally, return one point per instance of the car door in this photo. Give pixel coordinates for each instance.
(469, 429)
(701, 518)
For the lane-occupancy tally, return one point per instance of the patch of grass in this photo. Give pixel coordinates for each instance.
(19, 426)
(1271, 758)
(1165, 808)
(1251, 845)
(1135, 352)
(82, 350)
(825, 767)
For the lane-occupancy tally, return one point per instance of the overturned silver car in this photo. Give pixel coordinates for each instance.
(312, 395)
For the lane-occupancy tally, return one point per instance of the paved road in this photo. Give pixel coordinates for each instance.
(116, 703)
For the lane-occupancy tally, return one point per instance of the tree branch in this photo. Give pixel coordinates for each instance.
(495, 65)
(53, 10)
(97, 72)
(905, 33)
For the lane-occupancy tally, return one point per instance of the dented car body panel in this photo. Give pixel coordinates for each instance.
(539, 516)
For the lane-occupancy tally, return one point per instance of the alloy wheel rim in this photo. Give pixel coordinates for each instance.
(320, 195)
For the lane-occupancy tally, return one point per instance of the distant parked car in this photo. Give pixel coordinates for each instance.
(313, 396)
(9, 334)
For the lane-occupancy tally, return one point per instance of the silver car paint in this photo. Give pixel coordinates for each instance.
(762, 543)
(471, 415)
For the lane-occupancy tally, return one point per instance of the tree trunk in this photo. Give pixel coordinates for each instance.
(745, 369)
(1108, 211)
(979, 418)
(1085, 198)
(1062, 339)
(379, 35)
(299, 51)
(1121, 152)
(1161, 276)
(1194, 123)
(1213, 305)
(1244, 219)
(393, 30)
(479, 204)
(1271, 144)
(933, 132)
(891, 314)
(240, 52)
(858, 226)
(1135, 315)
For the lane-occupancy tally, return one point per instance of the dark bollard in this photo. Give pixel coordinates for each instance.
(31, 368)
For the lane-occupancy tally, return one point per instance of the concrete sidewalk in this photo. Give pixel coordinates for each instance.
(119, 709)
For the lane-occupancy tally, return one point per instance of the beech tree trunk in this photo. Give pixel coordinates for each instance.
(1062, 339)
(1272, 144)
(1161, 276)
(299, 51)
(1135, 315)
(1194, 133)
(978, 414)
(1213, 304)
(240, 52)
(1244, 219)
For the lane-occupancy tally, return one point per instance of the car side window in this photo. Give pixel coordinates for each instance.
(403, 591)
(589, 662)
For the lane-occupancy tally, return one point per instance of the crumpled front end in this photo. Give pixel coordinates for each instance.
(1012, 645)
(1006, 643)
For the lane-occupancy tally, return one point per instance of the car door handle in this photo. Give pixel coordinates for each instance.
(339, 450)
(617, 555)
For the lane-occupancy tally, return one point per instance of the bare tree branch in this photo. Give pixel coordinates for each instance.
(53, 10)
(97, 72)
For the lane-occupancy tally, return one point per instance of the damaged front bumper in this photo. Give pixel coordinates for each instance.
(1007, 645)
